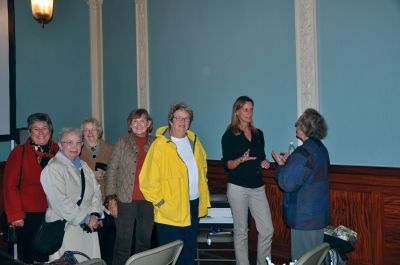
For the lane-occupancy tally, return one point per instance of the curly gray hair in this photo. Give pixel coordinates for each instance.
(312, 124)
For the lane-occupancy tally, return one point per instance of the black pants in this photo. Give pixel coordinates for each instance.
(107, 239)
(25, 236)
(137, 214)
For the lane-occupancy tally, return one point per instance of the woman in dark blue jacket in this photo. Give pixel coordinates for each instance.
(303, 176)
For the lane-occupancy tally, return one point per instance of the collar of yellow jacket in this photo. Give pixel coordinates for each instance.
(164, 131)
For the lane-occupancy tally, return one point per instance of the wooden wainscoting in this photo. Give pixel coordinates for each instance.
(366, 199)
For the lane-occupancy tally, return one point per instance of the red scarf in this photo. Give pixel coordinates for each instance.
(44, 153)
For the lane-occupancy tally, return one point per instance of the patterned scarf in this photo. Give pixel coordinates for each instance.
(43, 153)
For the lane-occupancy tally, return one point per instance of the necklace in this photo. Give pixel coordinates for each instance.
(93, 150)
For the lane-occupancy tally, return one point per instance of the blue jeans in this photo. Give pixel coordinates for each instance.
(188, 234)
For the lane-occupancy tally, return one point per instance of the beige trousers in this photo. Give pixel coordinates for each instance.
(241, 200)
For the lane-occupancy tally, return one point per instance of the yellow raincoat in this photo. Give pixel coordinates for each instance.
(164, 176)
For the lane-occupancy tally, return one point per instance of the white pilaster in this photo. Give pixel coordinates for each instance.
(142, 57)
(96, 58)
(306, 55)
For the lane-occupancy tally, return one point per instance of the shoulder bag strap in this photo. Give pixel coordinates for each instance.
(83, 187)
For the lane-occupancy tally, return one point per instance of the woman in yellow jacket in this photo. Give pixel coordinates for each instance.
(174, 179)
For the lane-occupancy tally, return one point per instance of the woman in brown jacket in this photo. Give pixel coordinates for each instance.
(125, 200)
(96, 153)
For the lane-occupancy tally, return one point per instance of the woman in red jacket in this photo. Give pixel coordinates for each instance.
(24, 199)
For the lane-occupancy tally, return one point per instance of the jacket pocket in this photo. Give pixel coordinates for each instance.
(172, 192)
(170, 211)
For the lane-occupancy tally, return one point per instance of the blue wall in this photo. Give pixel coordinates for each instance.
(4, 150)
(52, 65)
(119, 38)
(207, 53)
(359, 67)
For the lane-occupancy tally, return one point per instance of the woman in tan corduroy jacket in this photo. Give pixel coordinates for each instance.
(125, 200)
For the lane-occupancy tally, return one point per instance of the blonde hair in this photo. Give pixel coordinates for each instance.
(235, 122)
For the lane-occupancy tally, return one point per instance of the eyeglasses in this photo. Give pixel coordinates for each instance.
(90, 130)
(71, 143)
(185, 119)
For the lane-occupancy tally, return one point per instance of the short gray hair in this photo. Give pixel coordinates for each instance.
(313, 124)
(67, 131)
(39, 117)
(96, 123)
(179, 106)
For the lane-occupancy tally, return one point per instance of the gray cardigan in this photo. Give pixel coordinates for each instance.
(121, 168)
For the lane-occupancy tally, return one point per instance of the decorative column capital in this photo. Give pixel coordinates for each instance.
(94, 4)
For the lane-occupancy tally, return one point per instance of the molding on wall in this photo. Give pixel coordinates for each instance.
(306, 55)
(142, 56)
(96, 59)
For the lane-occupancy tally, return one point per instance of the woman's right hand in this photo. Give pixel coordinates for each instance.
(113, 208)
(93, 222)
(280, 160)
(246, 156)
(236, 162)
(100, 174)
(18, 223)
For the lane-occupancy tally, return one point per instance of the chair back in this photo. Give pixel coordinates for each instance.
(95, 261)
(162, 255)
(314, 256)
